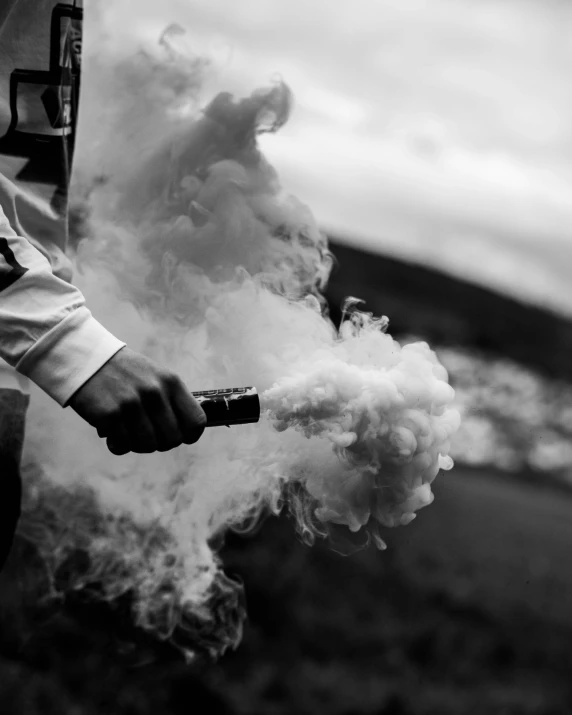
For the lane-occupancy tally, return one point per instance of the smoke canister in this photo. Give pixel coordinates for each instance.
(231, 406)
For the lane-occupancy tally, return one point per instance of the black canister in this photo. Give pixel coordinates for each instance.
(231, 406)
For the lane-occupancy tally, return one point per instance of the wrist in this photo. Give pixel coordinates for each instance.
(69, 355)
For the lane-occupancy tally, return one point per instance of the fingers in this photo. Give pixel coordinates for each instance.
(165, 425)
(116, 436)
(189, 414)
(157, 419)
(130, 430)
(118, 442)
(140, 429)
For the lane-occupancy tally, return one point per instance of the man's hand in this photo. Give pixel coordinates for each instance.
(138, 406)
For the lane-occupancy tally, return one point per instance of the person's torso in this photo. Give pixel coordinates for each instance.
(40, 54)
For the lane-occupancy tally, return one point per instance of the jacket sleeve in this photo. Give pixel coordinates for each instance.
(46, 331)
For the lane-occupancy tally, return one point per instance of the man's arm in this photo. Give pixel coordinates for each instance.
(49, 335)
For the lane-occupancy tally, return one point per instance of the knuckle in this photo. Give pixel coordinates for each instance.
(152, 391)
(109, 418)
(130, 403)
(172, 380)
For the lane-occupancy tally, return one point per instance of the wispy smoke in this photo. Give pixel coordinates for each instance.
(194, 254)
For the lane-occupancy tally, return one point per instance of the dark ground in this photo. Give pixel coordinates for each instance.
(469, 611)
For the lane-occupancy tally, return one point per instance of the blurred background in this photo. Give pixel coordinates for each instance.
(433, 141)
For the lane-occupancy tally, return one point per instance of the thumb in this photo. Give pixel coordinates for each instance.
(190, 416)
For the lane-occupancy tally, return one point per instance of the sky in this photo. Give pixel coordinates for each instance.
(439, 131)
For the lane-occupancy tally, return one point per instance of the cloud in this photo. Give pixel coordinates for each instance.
(417, 124)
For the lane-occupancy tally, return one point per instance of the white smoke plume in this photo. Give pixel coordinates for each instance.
(193, 253)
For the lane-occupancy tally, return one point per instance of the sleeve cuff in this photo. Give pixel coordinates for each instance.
(69, 354)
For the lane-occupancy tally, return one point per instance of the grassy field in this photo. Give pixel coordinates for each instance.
(468, 611)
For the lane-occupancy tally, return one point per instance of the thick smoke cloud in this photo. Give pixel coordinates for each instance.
(189, 249)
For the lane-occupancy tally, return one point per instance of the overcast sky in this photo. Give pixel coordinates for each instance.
(439, 130)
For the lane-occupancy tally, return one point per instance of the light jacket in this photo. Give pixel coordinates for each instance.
(46, 331)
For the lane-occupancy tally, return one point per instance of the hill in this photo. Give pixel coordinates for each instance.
(445, 310)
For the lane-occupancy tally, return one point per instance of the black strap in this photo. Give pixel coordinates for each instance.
(15, 270)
